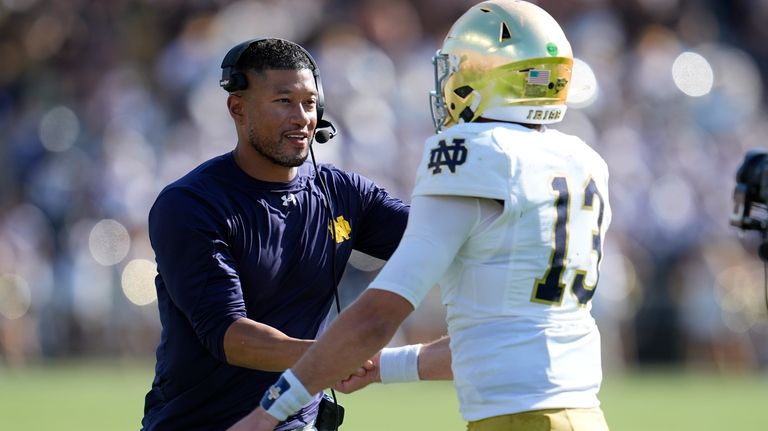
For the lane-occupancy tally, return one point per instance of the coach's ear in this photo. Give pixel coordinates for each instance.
(236, 107)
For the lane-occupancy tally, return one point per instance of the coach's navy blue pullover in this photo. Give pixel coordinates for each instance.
(229, 246)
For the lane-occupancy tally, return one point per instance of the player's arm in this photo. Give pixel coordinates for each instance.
(251, 344)
(434, 360)
(363, 328)
(430, 361)
(437, 229)
(428, 247)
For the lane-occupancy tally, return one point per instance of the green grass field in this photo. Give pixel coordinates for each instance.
(110, 397)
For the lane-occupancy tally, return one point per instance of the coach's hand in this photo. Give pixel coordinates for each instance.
(257, 420)
(368, 373)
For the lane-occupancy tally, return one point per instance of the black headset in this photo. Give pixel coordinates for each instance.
(233, 79)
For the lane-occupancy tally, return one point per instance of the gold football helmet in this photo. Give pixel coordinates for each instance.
(504, 60)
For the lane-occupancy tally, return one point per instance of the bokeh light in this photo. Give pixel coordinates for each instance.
(740, 297)
(109, 242)
(138, 281)
(693, 74)
(584, 86)
(670, 199)
(59, 129)
(15, 296)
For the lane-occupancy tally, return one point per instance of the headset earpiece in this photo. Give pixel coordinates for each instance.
(232, 80)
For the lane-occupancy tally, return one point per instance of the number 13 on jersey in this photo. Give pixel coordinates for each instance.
(550, 288)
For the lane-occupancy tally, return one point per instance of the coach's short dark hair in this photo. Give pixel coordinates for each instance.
(271, 54)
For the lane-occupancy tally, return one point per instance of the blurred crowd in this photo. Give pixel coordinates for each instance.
(103, 103)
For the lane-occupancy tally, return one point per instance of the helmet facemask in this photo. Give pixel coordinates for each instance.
(442, 68)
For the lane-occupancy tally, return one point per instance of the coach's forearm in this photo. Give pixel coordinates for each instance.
(251, 344)
(356, 335)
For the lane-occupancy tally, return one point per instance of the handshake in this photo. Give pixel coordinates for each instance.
(289, 394)
(369, 372)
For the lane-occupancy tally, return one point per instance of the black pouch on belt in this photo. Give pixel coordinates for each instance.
(330, 415)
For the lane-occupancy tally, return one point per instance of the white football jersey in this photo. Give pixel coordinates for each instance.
(518, 291)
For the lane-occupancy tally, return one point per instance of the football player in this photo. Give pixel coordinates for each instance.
(509, 215)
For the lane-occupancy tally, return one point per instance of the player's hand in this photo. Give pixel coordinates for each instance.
(257, 420)
(365, 375)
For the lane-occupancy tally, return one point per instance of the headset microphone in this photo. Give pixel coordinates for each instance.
(322, 134)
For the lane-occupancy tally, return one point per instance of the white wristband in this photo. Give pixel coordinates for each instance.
(285, 397)
(399, 364)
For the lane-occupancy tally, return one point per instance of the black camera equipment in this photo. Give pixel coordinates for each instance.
(330, 414)
(750, 201)
(750, 197)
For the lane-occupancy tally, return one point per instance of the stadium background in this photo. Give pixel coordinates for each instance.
(102, 103)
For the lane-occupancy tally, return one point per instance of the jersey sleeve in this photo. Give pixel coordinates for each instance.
(195, 266)
(429, 245)
(463, 164)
